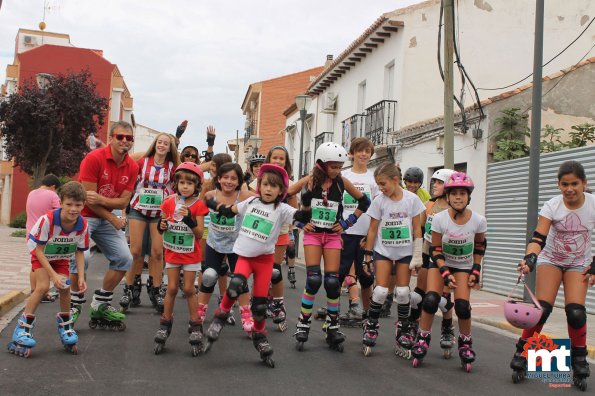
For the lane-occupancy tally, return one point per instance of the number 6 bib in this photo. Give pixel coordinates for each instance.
(395, 232)
(178, 238)
(258, 223)
(324, 216)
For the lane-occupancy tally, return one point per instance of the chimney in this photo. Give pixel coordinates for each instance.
(329, 60)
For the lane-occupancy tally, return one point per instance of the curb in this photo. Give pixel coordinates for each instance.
(13, 298)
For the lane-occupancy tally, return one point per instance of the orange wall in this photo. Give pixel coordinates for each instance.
(276, 96)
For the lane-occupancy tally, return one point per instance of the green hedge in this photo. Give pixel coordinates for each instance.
(19, 221)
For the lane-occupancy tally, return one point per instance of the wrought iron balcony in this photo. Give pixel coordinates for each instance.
(323, 137)
(381, 122)
(352, 127)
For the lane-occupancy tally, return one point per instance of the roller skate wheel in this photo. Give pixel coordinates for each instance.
(338, 347)
(517, 376)
(367, 350)
(416, 362)
(269, 362)
(92, 324)
(467, 367)
(158, 348)
(282, 326)
(299, 346)
(207, 347)
(447, 353)
(580, 383)
(102, 325)
(120, 326)
(196, 350)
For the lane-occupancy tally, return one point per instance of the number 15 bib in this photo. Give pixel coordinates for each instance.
(178, 238)
(396, 232)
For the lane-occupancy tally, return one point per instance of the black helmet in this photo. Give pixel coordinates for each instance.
(414, 174)
(257, 158)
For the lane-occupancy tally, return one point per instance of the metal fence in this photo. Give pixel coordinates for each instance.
(381, 122)
(506, 212)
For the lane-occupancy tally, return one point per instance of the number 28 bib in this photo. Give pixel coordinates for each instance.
(258, 223)
(324, 216)
(395, 232)
(178, 238)
(150, 199)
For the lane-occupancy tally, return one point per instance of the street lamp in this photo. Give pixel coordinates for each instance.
(302, 102)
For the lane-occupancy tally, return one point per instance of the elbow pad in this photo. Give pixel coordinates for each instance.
(539, 239)
(436, 253)
(480, 247)
(363, 203)
(302, 217)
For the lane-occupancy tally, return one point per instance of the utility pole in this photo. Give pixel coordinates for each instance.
(449, 138)
(533, 196)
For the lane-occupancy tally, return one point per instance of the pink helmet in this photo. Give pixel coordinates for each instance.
(459, 179)
(520, 314)
(192, 167)
(277, 169)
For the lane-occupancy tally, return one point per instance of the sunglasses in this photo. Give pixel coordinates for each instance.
(189, 155)
(120, 136)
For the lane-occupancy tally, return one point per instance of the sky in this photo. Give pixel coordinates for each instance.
(194, 59)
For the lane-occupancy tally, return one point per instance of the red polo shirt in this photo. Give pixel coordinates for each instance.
(100, 167)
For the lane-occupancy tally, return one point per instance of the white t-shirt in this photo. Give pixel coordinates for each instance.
(569, 239)
(260, 226)
(458, 240)
(365, 183)
(394, 239)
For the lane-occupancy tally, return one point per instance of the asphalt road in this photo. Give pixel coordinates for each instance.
(124, 363)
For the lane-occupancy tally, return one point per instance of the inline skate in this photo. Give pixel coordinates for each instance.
(196, 338)
(334, 336)
(22, 340)
(580, 367)
(370, 335)
(420, 348)
(106, 317)
(404, 339)
(278, 314)
(466, 352)
(162, 334)
(66, 332)
(302, 332)
(264, 348)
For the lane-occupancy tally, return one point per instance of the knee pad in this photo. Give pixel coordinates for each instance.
(290, 252)
(277, 275)
(209, 280)
(576, 315)
(379, 294)
(416, 297)
(402, 294)
(259, 308)
(431, 302)
(238, 285)
(462, 308)
(332, 285)
(313, 279)
(224, 269)
(366, 280)
(445, 303)
(547, 310)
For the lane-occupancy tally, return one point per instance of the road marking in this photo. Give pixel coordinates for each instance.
(484, 305)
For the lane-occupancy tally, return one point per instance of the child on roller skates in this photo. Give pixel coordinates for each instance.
(55, 239)
(395, 227)
(322, 238)
(436, 205)
(262, 219)
(561, 250)
(223, 232)
(182, 227)
(458, 247)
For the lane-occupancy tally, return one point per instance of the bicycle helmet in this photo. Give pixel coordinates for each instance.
(414, 174)
(331, 152)
(277, 169)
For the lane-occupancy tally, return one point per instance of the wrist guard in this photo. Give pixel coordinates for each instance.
(445, 273)
(212, 204)
(476, 270)
(189, 221)
(210, 140)
(530, 261)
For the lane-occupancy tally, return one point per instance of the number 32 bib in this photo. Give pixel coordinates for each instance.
(395, 232)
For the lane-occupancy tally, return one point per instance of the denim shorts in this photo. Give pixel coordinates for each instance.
(578, 268)
(136, 215)
(112, 243)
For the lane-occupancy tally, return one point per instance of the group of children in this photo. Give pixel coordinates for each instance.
(249, 228)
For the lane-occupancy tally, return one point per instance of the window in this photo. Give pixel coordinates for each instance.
(389, 81)
(361, 96)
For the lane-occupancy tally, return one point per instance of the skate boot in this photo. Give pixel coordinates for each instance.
(302, 331)
(201, 311)
(106, 317)
(162, 334)
(466, 352)
(370, 335)
(76, 305)
(388, 303)
(279, 314)
(264, 348)
(420, 348)
(447, 341)
(66, 332)
(160, 298)
(126, 299)
(334, 337)
(247, 320)
(404, 339)
(137, 287)
(320, 314)
(291, 276)
(217, 324)
(519, 363)
(580, 367)
(22, 340)
(353, 317)
(196, 338)
(231, 320)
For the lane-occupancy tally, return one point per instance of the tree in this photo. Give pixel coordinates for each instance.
(45, 126)
(581, 135)
(550, 141)
(510, 138)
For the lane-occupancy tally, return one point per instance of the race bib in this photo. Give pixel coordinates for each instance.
(395, 232)
(149, 199)
(428, 228)
(178, 238)
(60, 248)
(258, 223)
(459, 250)
(222, 224)
(324, 216)
(350, 203)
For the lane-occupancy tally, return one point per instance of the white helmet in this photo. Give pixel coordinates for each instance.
(331, 152)
(442, 174)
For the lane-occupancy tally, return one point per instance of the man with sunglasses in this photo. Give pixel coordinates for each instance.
(108, 175)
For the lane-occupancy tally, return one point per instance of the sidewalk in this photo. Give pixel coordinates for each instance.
(15, 266)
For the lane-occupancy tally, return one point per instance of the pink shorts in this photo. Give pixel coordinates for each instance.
(326, 240)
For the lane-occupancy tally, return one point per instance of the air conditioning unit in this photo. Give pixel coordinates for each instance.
(252, 105)
(30, 40)
(329, 102)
